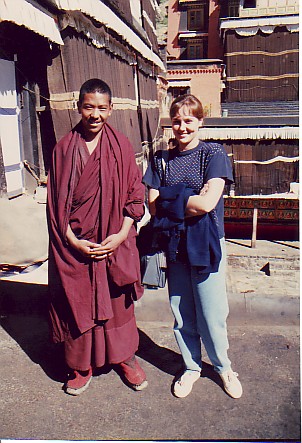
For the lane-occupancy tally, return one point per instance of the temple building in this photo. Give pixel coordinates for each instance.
(48, 49)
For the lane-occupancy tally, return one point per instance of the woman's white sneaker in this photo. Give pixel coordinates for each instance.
(183, 386)
(231, 384)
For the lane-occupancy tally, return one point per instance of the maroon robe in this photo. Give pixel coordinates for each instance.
(92, 194)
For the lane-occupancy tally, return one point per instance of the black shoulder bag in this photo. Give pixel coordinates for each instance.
(152, 257)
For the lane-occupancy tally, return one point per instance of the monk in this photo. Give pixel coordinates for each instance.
(95, 197)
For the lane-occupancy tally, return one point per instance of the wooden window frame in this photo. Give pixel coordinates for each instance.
(246, 4)
(195, 24)
(196, 44)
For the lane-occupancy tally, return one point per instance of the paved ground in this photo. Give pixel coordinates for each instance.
(264, 351)
(33, 406)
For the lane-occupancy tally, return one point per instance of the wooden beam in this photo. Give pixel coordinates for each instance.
(3, 184)
(254, 233)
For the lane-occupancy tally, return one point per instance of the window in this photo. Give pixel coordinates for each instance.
(197, 49)
(249, 4)
(176, 92)
(194, 51)
(197, 19)
(233, 8)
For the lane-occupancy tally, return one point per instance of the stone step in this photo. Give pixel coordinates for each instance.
(248, 306)
(284, 275)
(276, 284)
(258, 262)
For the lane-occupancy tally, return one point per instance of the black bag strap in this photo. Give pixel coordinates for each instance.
(164, 160)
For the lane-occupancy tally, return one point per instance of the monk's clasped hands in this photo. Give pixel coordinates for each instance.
(107, 247)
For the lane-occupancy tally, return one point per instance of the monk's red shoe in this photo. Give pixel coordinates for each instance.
(78, 382)
(134, 374)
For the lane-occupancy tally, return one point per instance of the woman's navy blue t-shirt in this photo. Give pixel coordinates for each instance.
(195, 168)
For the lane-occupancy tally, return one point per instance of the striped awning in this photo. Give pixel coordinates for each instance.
(179, 83)
(279, 158)
(104, 15)
(250, 26)
(249, 133)
(265, 133)
(192, 34)
(32, 16)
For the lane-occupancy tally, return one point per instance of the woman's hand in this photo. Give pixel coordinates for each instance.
(204, 190)
(207, 198)
(152, 196)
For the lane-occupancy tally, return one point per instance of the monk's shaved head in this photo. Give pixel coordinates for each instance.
(94, 85)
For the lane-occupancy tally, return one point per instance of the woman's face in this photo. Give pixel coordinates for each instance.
(185, 128)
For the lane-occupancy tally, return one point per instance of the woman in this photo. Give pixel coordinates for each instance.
(192, 176)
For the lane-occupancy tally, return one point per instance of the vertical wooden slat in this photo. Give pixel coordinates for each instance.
(268, 178)
(254, 231)
(256, 64)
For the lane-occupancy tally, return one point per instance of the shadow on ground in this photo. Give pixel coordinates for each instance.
(238, 243)
(31, 333)
(24, 317)
(163, 358)
(170, 361)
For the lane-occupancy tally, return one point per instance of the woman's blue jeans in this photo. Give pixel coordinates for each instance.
(200, 308)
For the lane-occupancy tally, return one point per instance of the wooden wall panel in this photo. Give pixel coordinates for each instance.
(267, 178)
(122, 8)
(149, 107)
(80, 61)
(253, 56)
(150, 11)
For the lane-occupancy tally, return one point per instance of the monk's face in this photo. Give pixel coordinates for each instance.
(95, 110)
